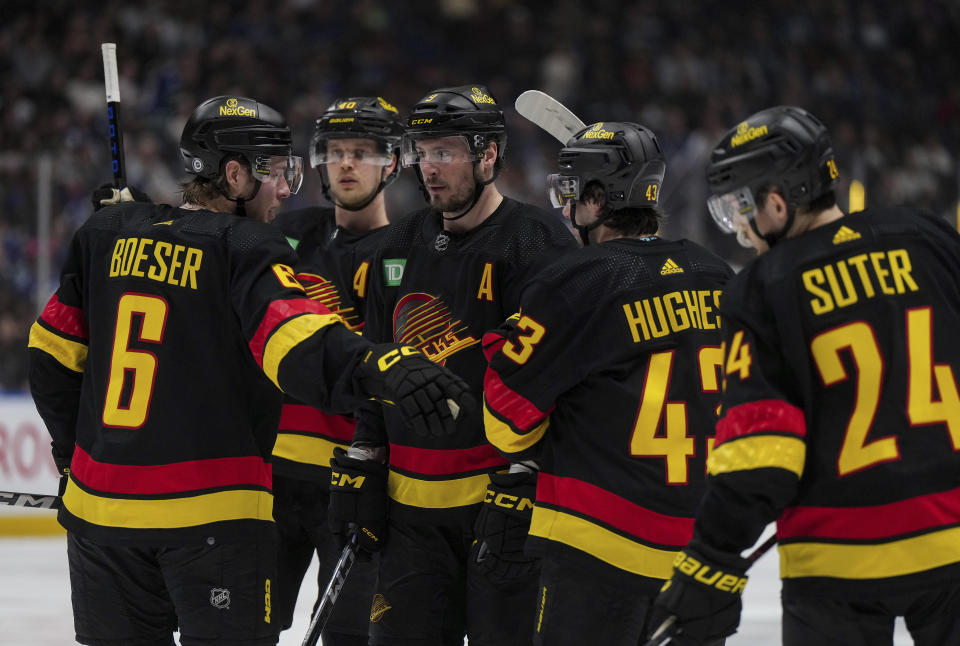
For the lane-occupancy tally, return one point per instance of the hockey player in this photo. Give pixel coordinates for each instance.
(608, 379)
(841, 412)
(156, 367)
(356, 149)
(442, 277)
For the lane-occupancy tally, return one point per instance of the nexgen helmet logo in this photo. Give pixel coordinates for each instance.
(597, 132)
(232, 108)
(745, 133)
(480, 97)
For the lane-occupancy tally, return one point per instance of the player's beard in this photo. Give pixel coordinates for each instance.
(458, 201)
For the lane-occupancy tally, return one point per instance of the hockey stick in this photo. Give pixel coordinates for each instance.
(31, 500)
(548, 113)
(667, 630)
(339, 577)
(111, 82)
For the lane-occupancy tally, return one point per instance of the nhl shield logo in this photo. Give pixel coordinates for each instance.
(220, 598)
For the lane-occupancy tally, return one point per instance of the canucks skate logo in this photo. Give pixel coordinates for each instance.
(745, 133)
(479, 96)
(380, 607)
(425, 322)
(597, 131)
(220, 598)
(322, 290)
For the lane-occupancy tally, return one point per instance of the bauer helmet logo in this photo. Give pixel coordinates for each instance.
(477, 141)
(430, 98)
(197, 164)
(386, 106)
(745, 133)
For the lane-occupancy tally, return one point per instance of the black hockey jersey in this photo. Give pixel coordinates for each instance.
(609, 378)
(842, 410)
(333, 267)
(159, 357)
(439, 292)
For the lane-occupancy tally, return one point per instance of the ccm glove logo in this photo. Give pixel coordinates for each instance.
(708, 576)
(507, 501)
(345, 480)
(389, 359)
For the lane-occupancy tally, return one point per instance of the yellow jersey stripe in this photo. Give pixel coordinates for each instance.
(288, 335)
(69, 353)
(169, 513)
(896, 558)
(437, 494)
(306, 449)
(757, 452)
(502, 435)
(602, 543)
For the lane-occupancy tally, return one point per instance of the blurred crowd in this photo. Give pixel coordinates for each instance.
(877, 72)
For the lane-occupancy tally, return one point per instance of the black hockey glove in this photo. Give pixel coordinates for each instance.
(429, 395)
(502, 526)
(704, 594)
(358, 500)
(63, 468)
(107, 194)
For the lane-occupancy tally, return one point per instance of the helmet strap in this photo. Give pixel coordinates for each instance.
(478, 186)
(584, 229)
(239, 200)
(776, 236)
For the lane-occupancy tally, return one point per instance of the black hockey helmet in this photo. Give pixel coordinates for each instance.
(784, 146)
(359, 118)
(625, 157)
(468, 110)
(224, 126)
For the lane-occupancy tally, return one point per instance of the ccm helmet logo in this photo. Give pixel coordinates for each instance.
(417, 122)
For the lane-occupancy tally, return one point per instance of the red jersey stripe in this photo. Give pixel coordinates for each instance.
(874, 522)
(759, 417)
(307, 419)
(169, 478)
(65, 318)
(593, 502)
(278, 312)
(437, 462)
(509, 404)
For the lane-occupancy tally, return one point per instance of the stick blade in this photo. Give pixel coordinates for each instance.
(111, 80)
(548, 113)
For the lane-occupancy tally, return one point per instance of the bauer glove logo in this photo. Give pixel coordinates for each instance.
(709, 576)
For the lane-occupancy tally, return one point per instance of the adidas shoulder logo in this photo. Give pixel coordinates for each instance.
(670, 267)
(845, 234)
